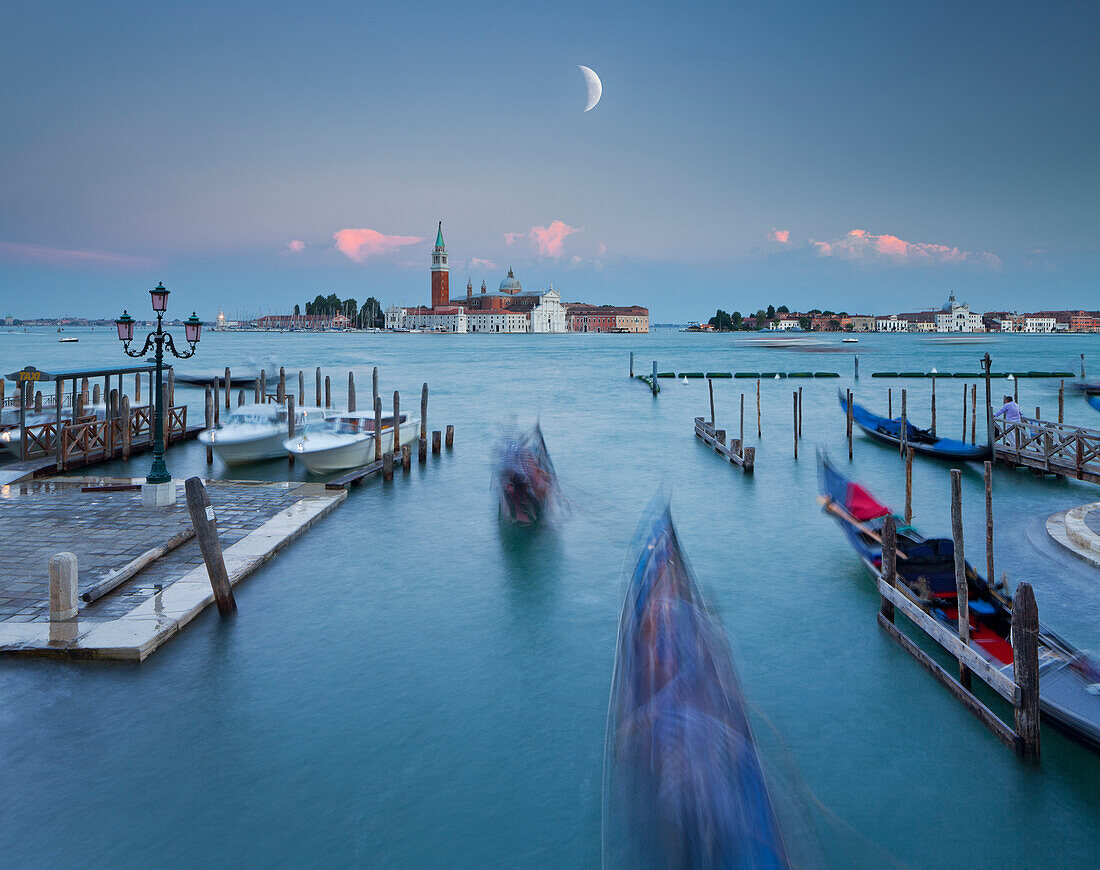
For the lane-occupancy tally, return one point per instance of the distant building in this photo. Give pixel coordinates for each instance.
(957, 317)
(1040, 322)
(302, 321)
(891, 323)
(582, 317)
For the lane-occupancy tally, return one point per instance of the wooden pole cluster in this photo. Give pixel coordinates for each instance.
(206, 530)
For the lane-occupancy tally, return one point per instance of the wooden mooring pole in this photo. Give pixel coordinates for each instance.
(351, 392)
(890, 403)
(889, 564)
(987, 364)
(377, 424)
(217, 402)
(228, 387)
(422, 442)
(209, 420)
(1025, 663)
(301, 388)
(396, 422)
(964, 414)
(794, 418)
(933, 404)
(848, 420)
(328, 391)
(800, 413)
(973, 414)
(710, 387)
(256, 388)
(387, 466)
(449, 436)
(909, 485)
(758, 408)
(206, 530)
(990, 575)
(263, 386)
(290, 412)
(240, 398)
(904, 425)
(317, 388)
(653, 386)
(125, 415)
(280, 391)
(741, 431)
(1061, 400)
(436, 434)
(632, 364)
(962, 589)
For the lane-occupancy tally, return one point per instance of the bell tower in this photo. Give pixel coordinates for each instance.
(440, 272)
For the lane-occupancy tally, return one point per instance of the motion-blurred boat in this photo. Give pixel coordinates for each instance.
(525, 477)
(921, 440)
(253, 433)
(684, 783)
(849, 340)
(344, 441)
(1069, 680)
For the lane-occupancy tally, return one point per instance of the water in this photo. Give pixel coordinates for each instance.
(412, 685)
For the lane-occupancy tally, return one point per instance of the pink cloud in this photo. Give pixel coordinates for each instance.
(549, 240)
(478, 263)
(782, 236)
(601, 249)
(47, 256)
(294, 247)
(509, 238)
(863, 245)
(359, 245)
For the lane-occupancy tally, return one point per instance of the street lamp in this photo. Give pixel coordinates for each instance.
(157, 341)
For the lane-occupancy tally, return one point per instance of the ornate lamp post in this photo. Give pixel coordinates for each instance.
(158, 490)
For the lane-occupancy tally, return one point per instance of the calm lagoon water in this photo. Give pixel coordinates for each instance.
(410, 685)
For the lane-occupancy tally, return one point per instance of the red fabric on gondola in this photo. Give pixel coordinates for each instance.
(862, 505)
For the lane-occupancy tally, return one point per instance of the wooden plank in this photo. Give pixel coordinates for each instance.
(987, 672)
(1003, 733)
(354, 476)
(117, 578)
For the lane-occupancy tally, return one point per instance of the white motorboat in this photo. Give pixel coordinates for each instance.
(849, 340)
(252, 433)
(347, 441)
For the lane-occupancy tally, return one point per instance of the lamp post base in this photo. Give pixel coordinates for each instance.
(158, 494)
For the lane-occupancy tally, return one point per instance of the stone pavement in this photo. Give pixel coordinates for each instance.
(1078, 530)
(105, 530)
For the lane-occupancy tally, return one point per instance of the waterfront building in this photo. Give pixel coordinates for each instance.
(302, 321)
(582, 317)
(891, 323)
(1040, 322)
(788, 321)
(957, 317)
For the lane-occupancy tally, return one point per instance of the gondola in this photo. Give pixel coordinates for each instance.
(1069, 680)
(525, 477)
(684, 785)
(921, 440)
(1094, 401)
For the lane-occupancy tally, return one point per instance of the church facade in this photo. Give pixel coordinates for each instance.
(509, 309)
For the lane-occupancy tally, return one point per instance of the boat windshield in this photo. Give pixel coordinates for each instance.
(248, 419)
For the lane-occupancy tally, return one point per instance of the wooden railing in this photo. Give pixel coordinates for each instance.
(39, 440)
(81, 441)
(1048, 446)
(90, 438)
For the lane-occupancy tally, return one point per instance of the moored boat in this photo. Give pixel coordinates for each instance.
(253, 433)
(683, 779)
(346, 441)
(525, 477)
(1069, 680)
(921, 440)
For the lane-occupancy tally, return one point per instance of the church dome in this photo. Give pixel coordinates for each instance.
(510, 284)
(949, 304)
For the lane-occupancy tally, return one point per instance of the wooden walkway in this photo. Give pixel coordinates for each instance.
(1049, 448)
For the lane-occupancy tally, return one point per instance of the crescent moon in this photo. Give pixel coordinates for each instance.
(595, 87)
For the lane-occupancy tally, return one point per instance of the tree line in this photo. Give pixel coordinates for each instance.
(724, 321)
(367, 316)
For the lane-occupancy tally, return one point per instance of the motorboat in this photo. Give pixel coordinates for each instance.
(253, 433)
(849, 341)
(344, 441)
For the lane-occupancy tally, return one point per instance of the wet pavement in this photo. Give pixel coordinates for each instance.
(106, 530)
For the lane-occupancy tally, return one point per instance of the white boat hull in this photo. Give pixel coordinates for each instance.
(328, 453)
(239, 451)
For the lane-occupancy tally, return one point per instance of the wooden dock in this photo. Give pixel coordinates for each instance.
(1047, 447)
(739, 455)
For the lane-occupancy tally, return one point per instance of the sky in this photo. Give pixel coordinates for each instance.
(869, 157)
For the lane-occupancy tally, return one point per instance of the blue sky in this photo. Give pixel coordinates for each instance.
(865, 156)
